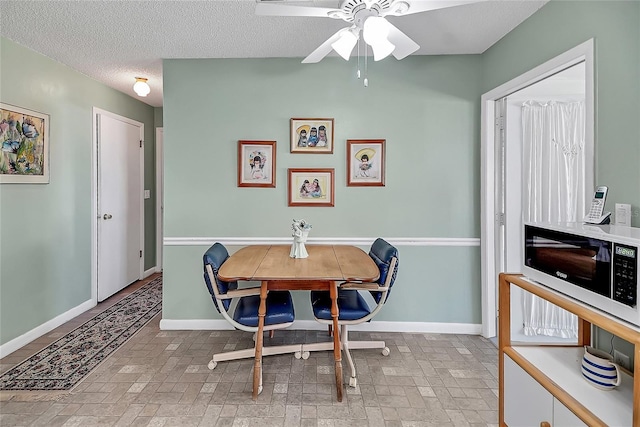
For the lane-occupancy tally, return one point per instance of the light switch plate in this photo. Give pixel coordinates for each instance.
(623, 214)
(147, 194)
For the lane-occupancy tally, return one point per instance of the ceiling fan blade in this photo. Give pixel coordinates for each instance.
(404, 45)
(282, 9)
(322, 50)
(401, 7)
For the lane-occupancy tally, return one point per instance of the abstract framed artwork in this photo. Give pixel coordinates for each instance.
(312, 136)
(365, 162)
(24, 138)
(311, 187)
(256, 163)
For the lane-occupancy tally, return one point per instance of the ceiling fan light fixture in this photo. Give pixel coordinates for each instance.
(345, 44)
(141, 87)
(375, 32)
(382, 49)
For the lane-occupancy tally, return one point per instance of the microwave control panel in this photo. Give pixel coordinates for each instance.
(625, 274)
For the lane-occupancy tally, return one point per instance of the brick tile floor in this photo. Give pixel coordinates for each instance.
(160, 378)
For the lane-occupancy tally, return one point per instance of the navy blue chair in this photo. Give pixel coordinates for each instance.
(352, 306)
(280, 313)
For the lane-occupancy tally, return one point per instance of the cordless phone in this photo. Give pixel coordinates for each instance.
(596, 214)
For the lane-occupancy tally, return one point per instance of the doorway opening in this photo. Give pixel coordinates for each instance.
(498, 236)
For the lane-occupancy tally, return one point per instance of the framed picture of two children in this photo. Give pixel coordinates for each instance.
(311, 187)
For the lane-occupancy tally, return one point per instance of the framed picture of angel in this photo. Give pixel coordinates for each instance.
(256, 163)
(312, 136)
(365, 162)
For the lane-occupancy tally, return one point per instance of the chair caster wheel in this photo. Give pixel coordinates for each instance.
(353, 382)
(305, 355)
(386, 351)
(212, 365)
(297, 355)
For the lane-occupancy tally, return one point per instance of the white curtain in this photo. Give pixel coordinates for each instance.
(553, 190)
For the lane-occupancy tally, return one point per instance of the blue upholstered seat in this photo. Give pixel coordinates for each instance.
(352, 306)
(280, 312)
(279, 303)
(279, 309)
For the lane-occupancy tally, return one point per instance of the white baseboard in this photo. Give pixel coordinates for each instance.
(221, 324)
(149, 272)
(45, 328)
(312, 325)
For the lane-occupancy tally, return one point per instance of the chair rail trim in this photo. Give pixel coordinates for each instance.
(358, 241)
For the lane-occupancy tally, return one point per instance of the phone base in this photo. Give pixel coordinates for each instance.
(603, 220)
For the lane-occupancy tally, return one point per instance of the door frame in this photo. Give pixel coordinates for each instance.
(159, 196)
(94, 196)
(490, 217)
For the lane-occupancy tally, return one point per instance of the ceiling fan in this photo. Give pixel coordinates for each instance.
(366, 17)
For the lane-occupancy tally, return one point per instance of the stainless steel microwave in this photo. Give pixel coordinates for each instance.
(595, 264)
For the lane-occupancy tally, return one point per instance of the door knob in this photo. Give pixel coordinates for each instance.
(107, 216)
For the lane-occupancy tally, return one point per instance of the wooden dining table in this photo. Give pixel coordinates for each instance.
(324, 269)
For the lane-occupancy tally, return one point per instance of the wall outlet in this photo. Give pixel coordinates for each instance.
(147, 194)
(622, 360)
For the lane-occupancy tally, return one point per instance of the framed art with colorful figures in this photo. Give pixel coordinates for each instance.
(365, 162)
(256, 163)
(312, 136)
(311, 187)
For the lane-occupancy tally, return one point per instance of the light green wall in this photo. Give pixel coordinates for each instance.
(430, 287)
(45, 230)
(426, 108)
(615, 27)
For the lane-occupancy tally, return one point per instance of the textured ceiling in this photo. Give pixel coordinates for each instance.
(114, 41)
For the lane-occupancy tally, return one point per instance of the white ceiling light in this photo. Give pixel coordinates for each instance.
(141, 87)
(375, 32)
(345, 44)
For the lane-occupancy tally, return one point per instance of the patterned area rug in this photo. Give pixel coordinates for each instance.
(65, 362)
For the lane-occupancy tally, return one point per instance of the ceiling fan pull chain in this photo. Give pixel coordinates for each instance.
(366, 80)
(358, 74)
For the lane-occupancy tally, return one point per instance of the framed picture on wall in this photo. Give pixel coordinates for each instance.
(365, 162)
(256, 163)
(24, 139)
(312, 136)
(311, 187)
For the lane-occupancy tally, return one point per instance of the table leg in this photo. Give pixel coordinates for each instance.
(337, 353)
(257, 367)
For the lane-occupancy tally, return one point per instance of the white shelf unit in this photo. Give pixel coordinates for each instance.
(557, 368)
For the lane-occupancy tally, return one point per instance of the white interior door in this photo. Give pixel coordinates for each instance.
(120, 198)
